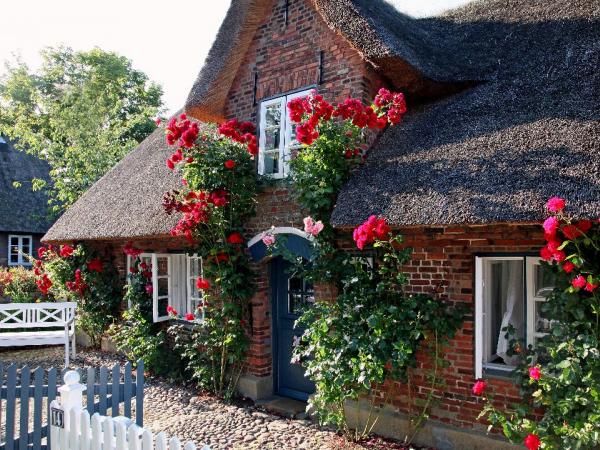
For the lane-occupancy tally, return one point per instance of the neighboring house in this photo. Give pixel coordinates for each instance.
(504, 112)
(23, 213)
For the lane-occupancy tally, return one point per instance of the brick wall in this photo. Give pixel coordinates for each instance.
(443, 264)
(282, 58)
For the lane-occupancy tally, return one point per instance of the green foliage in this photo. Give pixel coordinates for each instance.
(81, 112)
(566, 396)
(319, 171)
(18, 284)
(138, 338)
(98, 303)
(214, 348)
(369, 334)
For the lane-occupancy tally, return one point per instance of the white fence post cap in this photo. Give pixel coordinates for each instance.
(71, 380)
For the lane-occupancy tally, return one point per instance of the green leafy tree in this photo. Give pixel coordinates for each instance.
(81, 112)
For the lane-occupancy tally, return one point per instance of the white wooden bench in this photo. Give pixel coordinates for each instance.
(49, 316)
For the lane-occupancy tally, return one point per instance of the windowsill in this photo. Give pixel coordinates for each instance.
(498, 371)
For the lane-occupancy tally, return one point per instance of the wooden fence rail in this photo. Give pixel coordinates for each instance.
(26, 395)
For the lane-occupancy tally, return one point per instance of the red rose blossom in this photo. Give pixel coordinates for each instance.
(568, 267)
(235, 238)
(532, 442)
(202, 283)
(479, 387)
(551, 225)
(229, 164)
(94, 265)
(590, 287)
(555, 204)
(66, 251)
(189, 316)
(579, 282)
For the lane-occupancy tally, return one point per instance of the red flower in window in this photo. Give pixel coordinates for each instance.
(189, 316)
(171, 311)
(202, 283)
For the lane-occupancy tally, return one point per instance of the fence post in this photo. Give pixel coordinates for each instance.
(71, 393)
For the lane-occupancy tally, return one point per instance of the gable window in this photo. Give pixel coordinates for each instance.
(277, 137)
(19, 248)
(174, 284)
(509, 291)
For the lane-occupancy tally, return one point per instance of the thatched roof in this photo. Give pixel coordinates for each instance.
(412, 57)
(497, 151)
(127, 201)
(208, 96)
(21, 209)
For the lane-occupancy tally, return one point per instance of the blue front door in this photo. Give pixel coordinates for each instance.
(290, 296)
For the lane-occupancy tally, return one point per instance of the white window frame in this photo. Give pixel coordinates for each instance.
(153, 257)
(286, 140)
(155, 278)
(21, 259)
(191, 281)
(482, 321)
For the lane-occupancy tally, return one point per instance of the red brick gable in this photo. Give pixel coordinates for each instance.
(293, 48)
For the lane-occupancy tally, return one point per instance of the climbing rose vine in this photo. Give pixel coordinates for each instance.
(335, 140)
(371, 330)
(559, 379)
(217, 196)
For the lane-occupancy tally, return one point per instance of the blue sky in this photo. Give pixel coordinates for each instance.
(167, 40)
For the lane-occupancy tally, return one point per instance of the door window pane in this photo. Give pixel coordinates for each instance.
(301, 296)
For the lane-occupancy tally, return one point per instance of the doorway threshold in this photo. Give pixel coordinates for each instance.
(284, 406)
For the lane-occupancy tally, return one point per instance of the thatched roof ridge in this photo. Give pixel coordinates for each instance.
(21, 209)
(496, 152)
(127, 201)
(410, 55)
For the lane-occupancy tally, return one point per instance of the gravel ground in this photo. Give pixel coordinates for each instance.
(183, 412)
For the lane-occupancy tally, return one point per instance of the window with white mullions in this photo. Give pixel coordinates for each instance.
(161, 282)
(509, 292)
(19, 248)
(195, 295)
(277, 137)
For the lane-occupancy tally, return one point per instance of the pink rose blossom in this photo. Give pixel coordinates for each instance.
(535, 373)
(579, 282)
(551, 225)
(149, 288)
(479, 387)
(555, 204)
(312, 227)
(268, 240)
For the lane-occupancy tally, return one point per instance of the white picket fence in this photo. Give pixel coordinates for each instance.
(72, 428)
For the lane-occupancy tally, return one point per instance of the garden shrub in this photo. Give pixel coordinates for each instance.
(76, 273)
(559, 379)
(19, 286)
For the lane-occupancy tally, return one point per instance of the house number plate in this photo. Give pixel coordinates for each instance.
(57, 417)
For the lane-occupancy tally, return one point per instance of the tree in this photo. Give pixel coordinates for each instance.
(81, 112)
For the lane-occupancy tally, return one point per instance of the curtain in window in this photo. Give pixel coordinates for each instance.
(512, 278)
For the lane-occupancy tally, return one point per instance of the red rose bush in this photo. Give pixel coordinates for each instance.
(560, 377)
